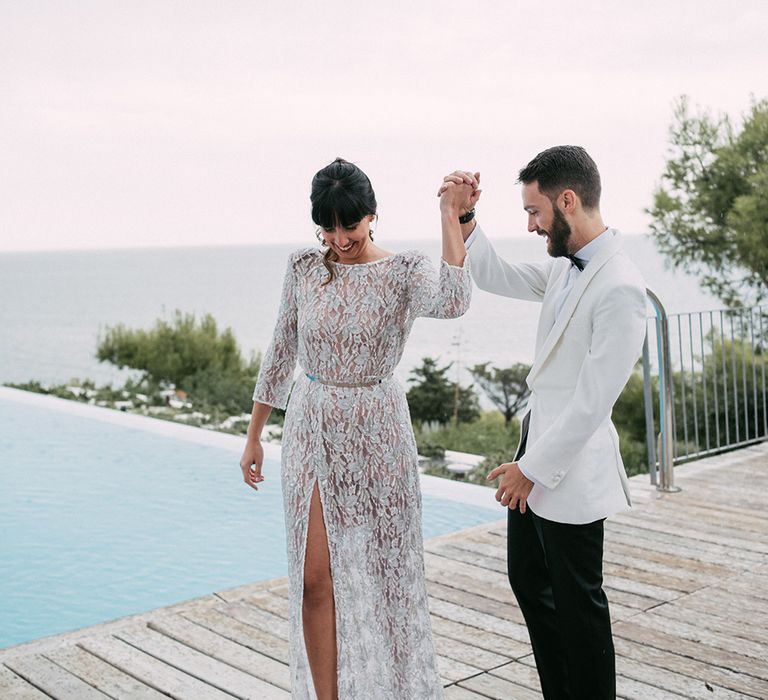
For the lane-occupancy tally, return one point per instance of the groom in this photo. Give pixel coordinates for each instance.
(567, 475)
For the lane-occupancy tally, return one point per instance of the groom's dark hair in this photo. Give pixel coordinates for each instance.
(564, 168)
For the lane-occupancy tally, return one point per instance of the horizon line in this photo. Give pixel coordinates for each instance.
(187, 246)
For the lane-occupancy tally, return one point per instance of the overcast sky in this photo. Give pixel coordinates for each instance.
(189, 123)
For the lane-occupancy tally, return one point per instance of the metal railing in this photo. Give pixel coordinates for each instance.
(710, 385)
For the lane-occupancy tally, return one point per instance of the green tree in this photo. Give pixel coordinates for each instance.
(710, 212)
(434, 398)
(629, 418)
(506, 388)
(190, 354)
(487, 435)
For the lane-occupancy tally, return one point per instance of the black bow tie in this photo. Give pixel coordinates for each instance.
(578, 262)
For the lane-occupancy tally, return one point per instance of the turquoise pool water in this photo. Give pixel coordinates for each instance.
(98, 521)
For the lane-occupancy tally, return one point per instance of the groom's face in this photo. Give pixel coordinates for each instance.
(546, 220)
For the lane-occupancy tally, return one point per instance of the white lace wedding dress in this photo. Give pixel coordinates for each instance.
(358, 444)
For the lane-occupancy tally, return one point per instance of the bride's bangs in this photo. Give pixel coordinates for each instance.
(338, 206)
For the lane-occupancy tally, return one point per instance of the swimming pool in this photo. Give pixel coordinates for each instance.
(104, 514)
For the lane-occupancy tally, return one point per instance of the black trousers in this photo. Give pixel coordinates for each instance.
(556, 573)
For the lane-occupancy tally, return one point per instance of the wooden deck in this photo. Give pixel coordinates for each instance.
(686, 575)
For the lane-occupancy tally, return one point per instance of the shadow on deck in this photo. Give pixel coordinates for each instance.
(686, 575)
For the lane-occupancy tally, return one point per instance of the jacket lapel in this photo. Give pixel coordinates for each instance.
(547, 317)
(603, 256)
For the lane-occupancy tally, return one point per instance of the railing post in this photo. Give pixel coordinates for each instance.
(650, 439)
(666, 407)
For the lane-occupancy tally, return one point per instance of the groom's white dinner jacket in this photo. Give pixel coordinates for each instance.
(585, 353)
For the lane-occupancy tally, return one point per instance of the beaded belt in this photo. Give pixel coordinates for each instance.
(313, 378)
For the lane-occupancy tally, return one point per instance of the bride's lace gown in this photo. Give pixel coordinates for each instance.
(358, 444)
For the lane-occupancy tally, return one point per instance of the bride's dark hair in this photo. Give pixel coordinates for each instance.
(341, 194)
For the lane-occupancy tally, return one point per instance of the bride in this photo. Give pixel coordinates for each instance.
(359, 621)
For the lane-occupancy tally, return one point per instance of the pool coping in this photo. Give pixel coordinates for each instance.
(431, 486)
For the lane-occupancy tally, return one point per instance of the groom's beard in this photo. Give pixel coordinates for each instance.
(559, 234)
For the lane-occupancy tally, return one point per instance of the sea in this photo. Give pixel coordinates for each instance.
(55, 305)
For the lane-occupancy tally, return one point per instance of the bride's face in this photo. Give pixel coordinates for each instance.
(349, 242)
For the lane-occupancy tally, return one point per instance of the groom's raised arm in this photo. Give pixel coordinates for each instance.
(494, 274)
(489, 271)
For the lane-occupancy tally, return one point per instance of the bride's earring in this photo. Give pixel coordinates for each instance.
(370, 233)
(320, 239)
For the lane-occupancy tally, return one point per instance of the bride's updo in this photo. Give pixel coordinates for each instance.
(341, 194)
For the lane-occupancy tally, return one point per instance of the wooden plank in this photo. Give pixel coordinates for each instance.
(451, 551)
(740, 629)
(630, 689)
(495, 550)
(464, 576)
(101, 675)
(654, 562)
(261, 619)
(479, 638)
(716, 601)
(652, 658)
(489, 623)
(14, 687)
(492, 686)
(242, 633)
(451, 670)
(223, 649)
(668, 541)
(199, 665)
(53, 679)
(675, 555)
(231, 595)
(460, 650)
(271, 603)
(647, 590)
(505, 611)
(700, 635)
(626, 687)
(746, 585)
(659, 524)
(456, 692)
(719, 657)
(748, 523)
(739, 510)
(164, 678)
(661, 580)
(708, 529)
(666, 680)
(519, 673)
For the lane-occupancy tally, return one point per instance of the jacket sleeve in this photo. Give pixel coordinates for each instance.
(618, 330)
(493, 274)
(277, 367)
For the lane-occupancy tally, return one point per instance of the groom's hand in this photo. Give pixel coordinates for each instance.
(514, 487)
(471, 194)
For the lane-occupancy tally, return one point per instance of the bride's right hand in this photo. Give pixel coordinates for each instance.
(458, 178)
(250, 463)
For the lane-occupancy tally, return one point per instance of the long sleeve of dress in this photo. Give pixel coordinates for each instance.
(443, 294)
(277, 367)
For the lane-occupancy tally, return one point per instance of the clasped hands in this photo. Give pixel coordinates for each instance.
(459, 191)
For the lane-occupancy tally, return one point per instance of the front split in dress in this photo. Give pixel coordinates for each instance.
(357, 444)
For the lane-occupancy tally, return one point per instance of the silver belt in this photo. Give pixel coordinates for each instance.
(345, 385)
